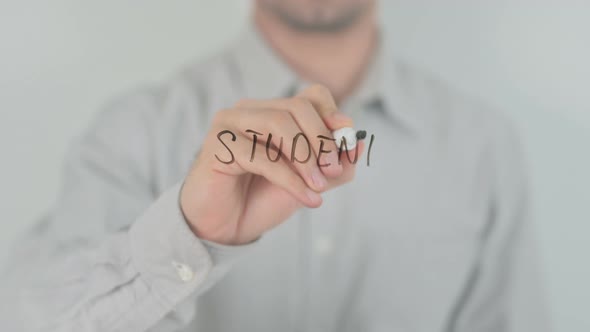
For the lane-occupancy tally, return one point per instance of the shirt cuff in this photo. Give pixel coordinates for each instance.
(170, 258)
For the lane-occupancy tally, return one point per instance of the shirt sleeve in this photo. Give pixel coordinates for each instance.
(504, 292)
(114, 254)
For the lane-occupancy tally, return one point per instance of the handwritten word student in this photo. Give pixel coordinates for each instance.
(153, 232)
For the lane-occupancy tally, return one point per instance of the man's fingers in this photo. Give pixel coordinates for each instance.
(279, 173)
(311, 124)
(348, 160)
(339, 124)
(315, 111)
(286, 137)
(322, 100)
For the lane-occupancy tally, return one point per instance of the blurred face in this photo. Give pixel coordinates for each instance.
(317, 15)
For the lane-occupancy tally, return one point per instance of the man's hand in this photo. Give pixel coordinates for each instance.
(235, 203)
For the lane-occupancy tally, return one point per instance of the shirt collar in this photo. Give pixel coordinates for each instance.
(265, 75)
(383, 86)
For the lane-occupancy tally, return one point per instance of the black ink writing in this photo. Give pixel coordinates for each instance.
(344, 146)
(233, 138)
(254, 141)
(268, 143)
(322, 138)
(300, 137)
(294, 148)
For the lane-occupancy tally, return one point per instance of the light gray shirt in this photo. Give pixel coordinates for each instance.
(434, 235)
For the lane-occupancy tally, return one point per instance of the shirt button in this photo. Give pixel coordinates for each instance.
(185, 273)
(324, 246)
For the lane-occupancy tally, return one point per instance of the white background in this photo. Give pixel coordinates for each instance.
(61, 60)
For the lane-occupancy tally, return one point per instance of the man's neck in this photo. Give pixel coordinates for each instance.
(338, 60)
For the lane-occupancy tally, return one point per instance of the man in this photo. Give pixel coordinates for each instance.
(169, 222)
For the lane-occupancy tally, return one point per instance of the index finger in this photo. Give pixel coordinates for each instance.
(322, 100)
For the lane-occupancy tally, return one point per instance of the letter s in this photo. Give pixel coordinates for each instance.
(233, 138)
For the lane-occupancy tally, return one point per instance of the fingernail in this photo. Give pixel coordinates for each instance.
(314, 197)
(318, 179)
